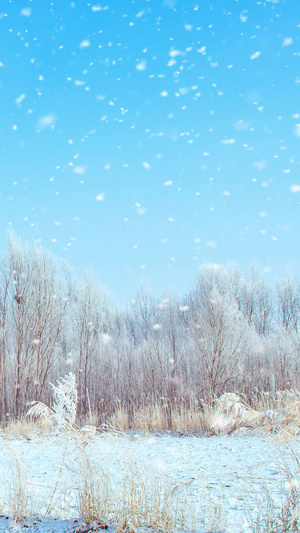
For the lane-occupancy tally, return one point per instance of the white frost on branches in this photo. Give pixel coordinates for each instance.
(64, 409)
(65, 401)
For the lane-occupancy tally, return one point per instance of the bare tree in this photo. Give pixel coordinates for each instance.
(142, 311)
(92, 317)
(38, 306)
(219, 331)
(5, 281)
(288, 297)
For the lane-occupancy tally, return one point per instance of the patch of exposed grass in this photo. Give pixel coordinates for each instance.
(26, 429)
(277, 504)
(138, 498)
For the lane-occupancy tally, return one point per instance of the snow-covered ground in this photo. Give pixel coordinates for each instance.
(222, 470)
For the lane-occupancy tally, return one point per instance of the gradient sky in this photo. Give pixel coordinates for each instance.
(143, 139)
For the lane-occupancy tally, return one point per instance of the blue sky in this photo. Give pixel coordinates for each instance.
(143, 139)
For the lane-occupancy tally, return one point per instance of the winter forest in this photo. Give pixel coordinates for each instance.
(230, 332)
(149, 266)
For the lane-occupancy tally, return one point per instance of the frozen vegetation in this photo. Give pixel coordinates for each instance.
(145, 429)
(231, 332)
(60, 478)
(157, 142)
(130, 481)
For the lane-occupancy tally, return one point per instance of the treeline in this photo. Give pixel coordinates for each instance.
(231, 332)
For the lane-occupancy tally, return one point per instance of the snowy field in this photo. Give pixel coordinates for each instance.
(219, 475)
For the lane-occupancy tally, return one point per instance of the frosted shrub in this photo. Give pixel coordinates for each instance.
(65, 401)
(63, 412)
(231, 412)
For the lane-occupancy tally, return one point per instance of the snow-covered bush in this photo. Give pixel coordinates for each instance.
(65, 401)
(63, 411)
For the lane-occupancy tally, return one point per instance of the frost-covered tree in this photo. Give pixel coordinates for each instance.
(38, 291)
(288, 298)
(92, 315)
(5, 304)
(220, 333)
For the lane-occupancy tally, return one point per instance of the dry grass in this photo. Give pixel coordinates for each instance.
(277, 412)
(137, 499)
(161, 415)
(57, 480)
(134, 497)
(41, 412)
(214, 515)
(228, 413)
(231, 412)
(129, 498)
(278, 506)
(21, 501)
(19, 498)
(276, 400)
(26, 429)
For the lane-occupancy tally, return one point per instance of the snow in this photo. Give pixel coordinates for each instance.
(287, 41)
(221, 468)
(228, 141)
(100, 197)
(85, 44)
(46, 121)
(297, 130)
(295, 188)
(20, 98)
(25, 12)
(142, 65)
(255, 55)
